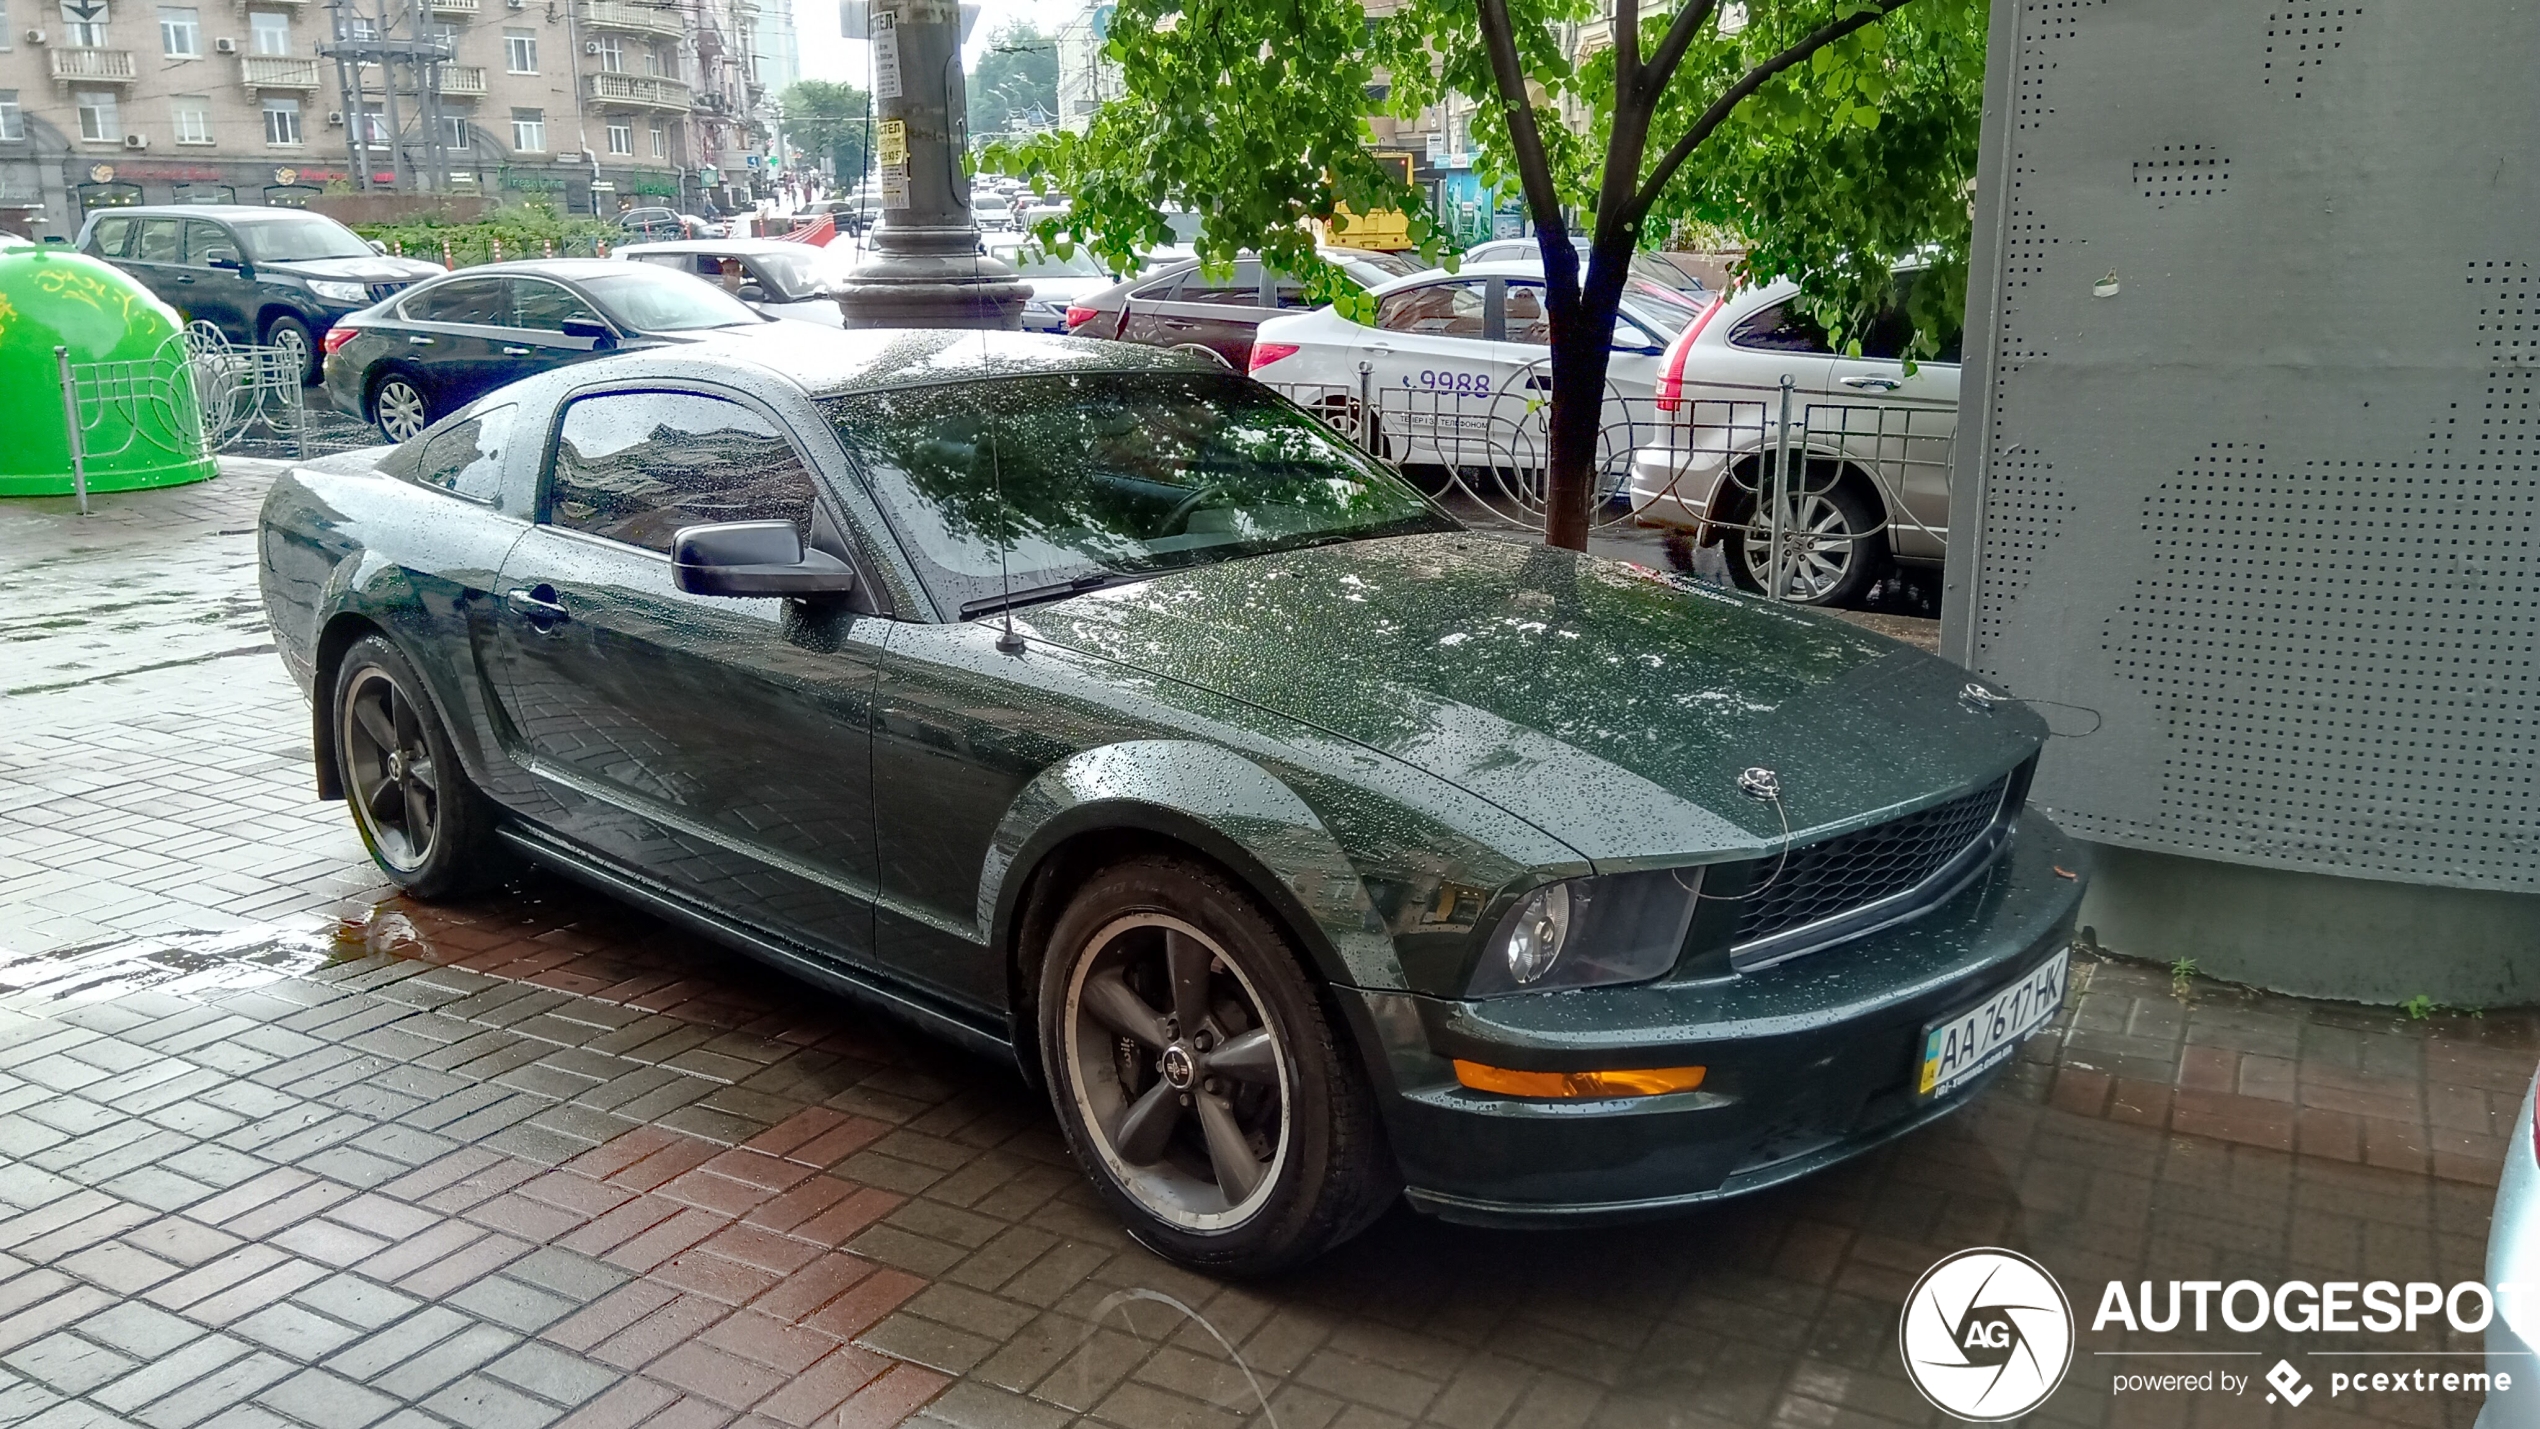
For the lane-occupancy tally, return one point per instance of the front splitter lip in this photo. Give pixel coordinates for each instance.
(1472, 1211)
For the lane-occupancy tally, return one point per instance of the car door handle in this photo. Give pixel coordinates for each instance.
(515, 352)
(538, 605)
(1380, 349)
(185, 280)
(1872, 384)
(419, 340)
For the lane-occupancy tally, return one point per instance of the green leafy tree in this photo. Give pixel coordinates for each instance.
(829, 122)
(1771, 118)
(1018, 70)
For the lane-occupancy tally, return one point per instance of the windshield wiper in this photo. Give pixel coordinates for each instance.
(1035, 595)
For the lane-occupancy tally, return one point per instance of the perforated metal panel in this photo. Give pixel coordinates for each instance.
(2250, 477)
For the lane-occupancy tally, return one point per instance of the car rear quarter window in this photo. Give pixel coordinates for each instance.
(635, 467)
(483, 301)
(463, 458)
(110, 236)
(1781, 328)
(1433, 310)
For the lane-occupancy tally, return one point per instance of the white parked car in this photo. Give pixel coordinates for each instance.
(779, 278)
(1869, 449)
(1460, 367)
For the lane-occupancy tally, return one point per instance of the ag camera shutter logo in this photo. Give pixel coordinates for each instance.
(1987, 1334)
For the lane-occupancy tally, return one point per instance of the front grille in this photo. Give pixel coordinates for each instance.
(381, 292)
(1825, 881)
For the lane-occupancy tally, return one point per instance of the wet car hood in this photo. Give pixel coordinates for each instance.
(1609, 706)
(373, 269)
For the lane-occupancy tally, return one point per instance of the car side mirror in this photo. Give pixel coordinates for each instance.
(222, 258)
(599, 334)
(754, 558)
(378, 247)
(750, 293)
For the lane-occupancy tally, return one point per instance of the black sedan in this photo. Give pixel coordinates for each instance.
(1101, 710)
(440, 345)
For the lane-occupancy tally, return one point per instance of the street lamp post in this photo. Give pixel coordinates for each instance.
(923, 267)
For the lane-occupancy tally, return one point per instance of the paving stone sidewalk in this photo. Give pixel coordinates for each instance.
(279, 1148)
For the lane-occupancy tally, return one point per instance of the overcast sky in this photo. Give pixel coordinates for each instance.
(827, 56)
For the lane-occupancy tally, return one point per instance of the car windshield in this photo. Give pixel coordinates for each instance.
(1663, 318)
(295, 240)
(1035, 487)
(1036, 262)
(652, 299)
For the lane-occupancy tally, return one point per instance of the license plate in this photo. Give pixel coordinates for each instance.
(1974, 1040)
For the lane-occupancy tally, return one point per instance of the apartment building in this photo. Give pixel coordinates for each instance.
(592, 104)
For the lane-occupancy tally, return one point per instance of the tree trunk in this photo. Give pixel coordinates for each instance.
(1582, 349)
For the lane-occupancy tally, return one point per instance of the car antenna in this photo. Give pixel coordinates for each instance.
(1008, 643)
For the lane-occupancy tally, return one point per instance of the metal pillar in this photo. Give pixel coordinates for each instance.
(923, 266)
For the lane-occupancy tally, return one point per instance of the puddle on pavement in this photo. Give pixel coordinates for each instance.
(192, 962)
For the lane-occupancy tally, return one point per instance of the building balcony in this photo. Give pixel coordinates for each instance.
(454, 7)
(631, 15)
(468, 80)
(277, 72)
(649, 91)
(93, 66)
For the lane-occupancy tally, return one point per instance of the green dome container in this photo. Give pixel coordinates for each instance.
(142, 423)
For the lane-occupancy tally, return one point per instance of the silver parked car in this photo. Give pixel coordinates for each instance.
(1870, 446)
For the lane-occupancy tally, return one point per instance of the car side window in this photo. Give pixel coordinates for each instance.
(464, 458)
(1781, 328)
(206, 241)
(546, 306)
(637, 466)
(1239, 289)
(1435, 310)
(470, 300)
(1526, 318)
(111, 236)
(676, 262)
(162, 241)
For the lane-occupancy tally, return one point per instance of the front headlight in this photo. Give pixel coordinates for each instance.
(335, 292)
(1590, 932)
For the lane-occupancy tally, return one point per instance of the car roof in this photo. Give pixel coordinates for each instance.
(550, 267)
(825, 362)
(1499, 268)
(247, 212)
(716, 245)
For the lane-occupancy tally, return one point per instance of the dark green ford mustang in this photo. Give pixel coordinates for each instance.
(1113, 715)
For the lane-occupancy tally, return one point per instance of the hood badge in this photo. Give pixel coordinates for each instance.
(1976, 697)
(1760, 783)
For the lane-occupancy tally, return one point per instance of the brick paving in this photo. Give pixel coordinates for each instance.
(279, 1148)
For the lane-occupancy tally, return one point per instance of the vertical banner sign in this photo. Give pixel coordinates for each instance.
(890, 158)
(886, 55)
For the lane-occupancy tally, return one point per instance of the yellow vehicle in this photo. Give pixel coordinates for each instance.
(1387, 230)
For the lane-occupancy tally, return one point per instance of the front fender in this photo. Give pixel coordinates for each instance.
(1219, 802)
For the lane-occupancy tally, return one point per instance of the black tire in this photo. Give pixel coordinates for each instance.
(291, 332)
(1843, 556)
(399, 408)
(426, 826)
(1133, 930)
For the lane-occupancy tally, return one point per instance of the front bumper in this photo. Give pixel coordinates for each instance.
(1811, 1061)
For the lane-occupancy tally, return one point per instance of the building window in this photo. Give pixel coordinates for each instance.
(98, 122)
(447, 32)
(282, 122)
(84, 33)
(661, 142)
(269, 32)
(612, 54)
(529, 130)
(12, 123)
(4, 25)
(658, 60)
(622, 138)
(181, 32)
(520, 51)
(365, 29)
(456, 136)
(193, 118)
(374, 130)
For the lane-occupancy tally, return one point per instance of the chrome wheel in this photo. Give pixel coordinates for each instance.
(1181, 1081)
(401, 410)
(390, 779)
(1818, 548)
(293, 347)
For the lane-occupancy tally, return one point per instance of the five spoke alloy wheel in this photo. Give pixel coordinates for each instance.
(1182, 1083)
(426, 825)
(1206, 1088)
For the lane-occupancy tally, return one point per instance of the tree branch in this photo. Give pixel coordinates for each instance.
(1534, 167)
(1731, 97)
(1661, 68)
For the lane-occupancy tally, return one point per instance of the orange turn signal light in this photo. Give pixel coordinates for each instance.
(1575, 1086)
